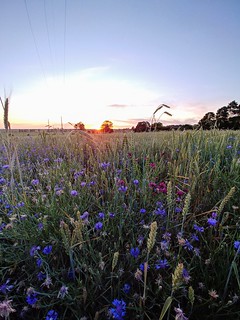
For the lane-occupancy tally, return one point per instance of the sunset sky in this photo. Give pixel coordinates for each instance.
(118, 60)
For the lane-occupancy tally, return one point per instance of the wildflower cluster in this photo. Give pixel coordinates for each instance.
(114, 225)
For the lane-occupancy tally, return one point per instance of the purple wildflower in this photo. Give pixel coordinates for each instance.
(135, 252)
(40, 226)
(119, 309)
(62, 292)
(41, 276)
(122, 189)
(142, 211)
(136, 182)
(4, 288)
(237, 245)
(39, 262)
(34, 250)
(162, 264)
(74, 193)
(186, 276)
(52, 315)
(32, 298)
(126, 288)
(187, 245)
(141, 267)
(35, 182)
(98, 225)
(104, 165)
(198, 228)
(101, 215)
(212, 222)
(47, 250)
(179, 314)
(160, 211)
(178, 210)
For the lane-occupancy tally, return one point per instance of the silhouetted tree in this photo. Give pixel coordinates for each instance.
(143, 126)
(107, 126)
(234, 108)
(222, 118)
(80, 126)
(208, 121)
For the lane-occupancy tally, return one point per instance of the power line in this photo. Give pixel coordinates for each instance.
(34, 39)
(48, 35)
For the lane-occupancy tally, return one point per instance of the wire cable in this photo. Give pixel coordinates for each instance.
(48, 35)
(35, 42)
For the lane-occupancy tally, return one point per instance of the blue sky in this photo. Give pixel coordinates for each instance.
(119, 60)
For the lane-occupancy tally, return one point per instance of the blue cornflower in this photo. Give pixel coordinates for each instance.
(135, 252)
(104, 165)
(39, 262)
(178, 210)
(185, 275)
(52, 315)
(122, 189)
(4, 288)
(119, 309)
(74, 193)
(34, 250)
(162, 264)
(41, 276)
(62, 292)
(47, 249)
(187, 245)
(101, 215)
(126, 288)
(142, 210)
(164, 245)
(2, 181)
(141, 267)
(237, 245)
(212, 222)
(160, 211)
(98, 225)
(40, 226)
(35, 182)
(198, 228)
(194, 237)
(84, 216)
(111, 215)
(32, 298)
(2, 226)
(21, 204)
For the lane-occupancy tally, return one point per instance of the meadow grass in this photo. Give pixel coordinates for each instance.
(120, 226)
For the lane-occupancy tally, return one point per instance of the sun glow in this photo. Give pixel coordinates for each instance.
(90, 96)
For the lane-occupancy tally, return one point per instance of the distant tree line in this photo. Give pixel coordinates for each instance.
(226, 118)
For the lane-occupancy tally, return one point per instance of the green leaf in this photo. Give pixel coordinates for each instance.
(165, 308)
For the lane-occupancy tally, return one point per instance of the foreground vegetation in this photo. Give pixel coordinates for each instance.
(136, 226)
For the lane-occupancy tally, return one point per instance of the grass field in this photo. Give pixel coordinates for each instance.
(120, 226)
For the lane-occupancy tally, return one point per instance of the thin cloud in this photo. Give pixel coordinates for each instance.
(118, 105)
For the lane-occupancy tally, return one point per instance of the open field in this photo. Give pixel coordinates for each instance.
(120, 226)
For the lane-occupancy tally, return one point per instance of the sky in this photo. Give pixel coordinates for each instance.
(117, 60)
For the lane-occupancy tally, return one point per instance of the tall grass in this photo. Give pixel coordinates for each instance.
(120, 226)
